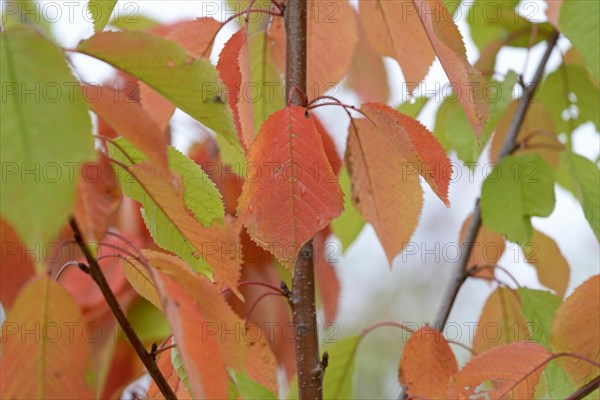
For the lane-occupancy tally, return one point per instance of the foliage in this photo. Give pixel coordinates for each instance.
(195, 245)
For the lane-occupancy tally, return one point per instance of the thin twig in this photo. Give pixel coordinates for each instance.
(585, 389)
(98, 277)
(459, 273)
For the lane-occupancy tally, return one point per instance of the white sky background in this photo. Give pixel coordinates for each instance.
(411, 290)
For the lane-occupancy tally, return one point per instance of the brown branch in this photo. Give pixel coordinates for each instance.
(585, 389)
(460, 273)
(302, 296)
(96, 273)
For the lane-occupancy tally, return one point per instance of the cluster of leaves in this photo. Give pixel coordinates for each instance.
(221, 226)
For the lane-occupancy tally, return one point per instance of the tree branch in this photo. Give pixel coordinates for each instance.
(96, 273)
(460, 273)
(585, 389)
(302, 297)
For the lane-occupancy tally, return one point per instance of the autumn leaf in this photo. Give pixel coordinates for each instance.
(200, 352)
(234, 69)
(328, 283)
(575, 330)
(326, 64)
(552, 268)
(51, 361)
(43, 141)
(101, 11)
(394, 30)
(427, 364)
(500, 321)
(388, 194)
(447, 42)
(16, 267)
(512, 368)
(196, 36)
(130, 120)
(166, 368)
(98, 198)
(367, 74)
(191, 84)
(487, 249)
(292, 192)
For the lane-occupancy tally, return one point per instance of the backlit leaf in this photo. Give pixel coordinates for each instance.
(291, 192)
(348, 225)
(385, 156)
(487, 249)
(538, 308)
(513, 368)
(427, 364)
(338, 383)
(518, 188)
(190, 84)
(44, 138)
(16, 267)
(394, 30)
(575, 330)
(51, 360)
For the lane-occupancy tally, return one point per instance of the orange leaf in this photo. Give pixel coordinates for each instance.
(218, 244)
(200, 352)
(487, 249)
(195, 36)
(44, 351)
(551, 266)
(98, 198)
(234, 69)
(131, 121)
(160, 109)
(514, 367)
(388, 193)
(394, 29)
(290, 192)
(500, 321)
(575, 330)
(447, 42)
(327, 20)
(329, 146)
(427, 364)
(327, 280)
(367, 74)
(16, 267)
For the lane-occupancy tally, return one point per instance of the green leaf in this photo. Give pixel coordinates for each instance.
(568, 87)
(348, 225)
(413, 107)
(201, 197)
(538, 308)
(148, 321)
(101, 11)
(337, 383)
(579, 22)
(193, 85)
(453, 129)
(133, 23)
(177, 363)
(518, 188)
(558, 383)
(249, 389)
(586, 184)
(28, 12)
(267, 88)
(45, 135)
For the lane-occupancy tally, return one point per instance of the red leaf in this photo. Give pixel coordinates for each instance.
(16, 267)
(131, 121)
(234, 69)
(196, 36)
(166, 367)
(44, 351)
(388, 194)
(395, 31)
(291, 192)
(98, 198)
(328, 283)
(200, 352)
(329, 146)
(575, 330)
(427, 364)
(327, 20)
(514, 367)
(447, 42)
